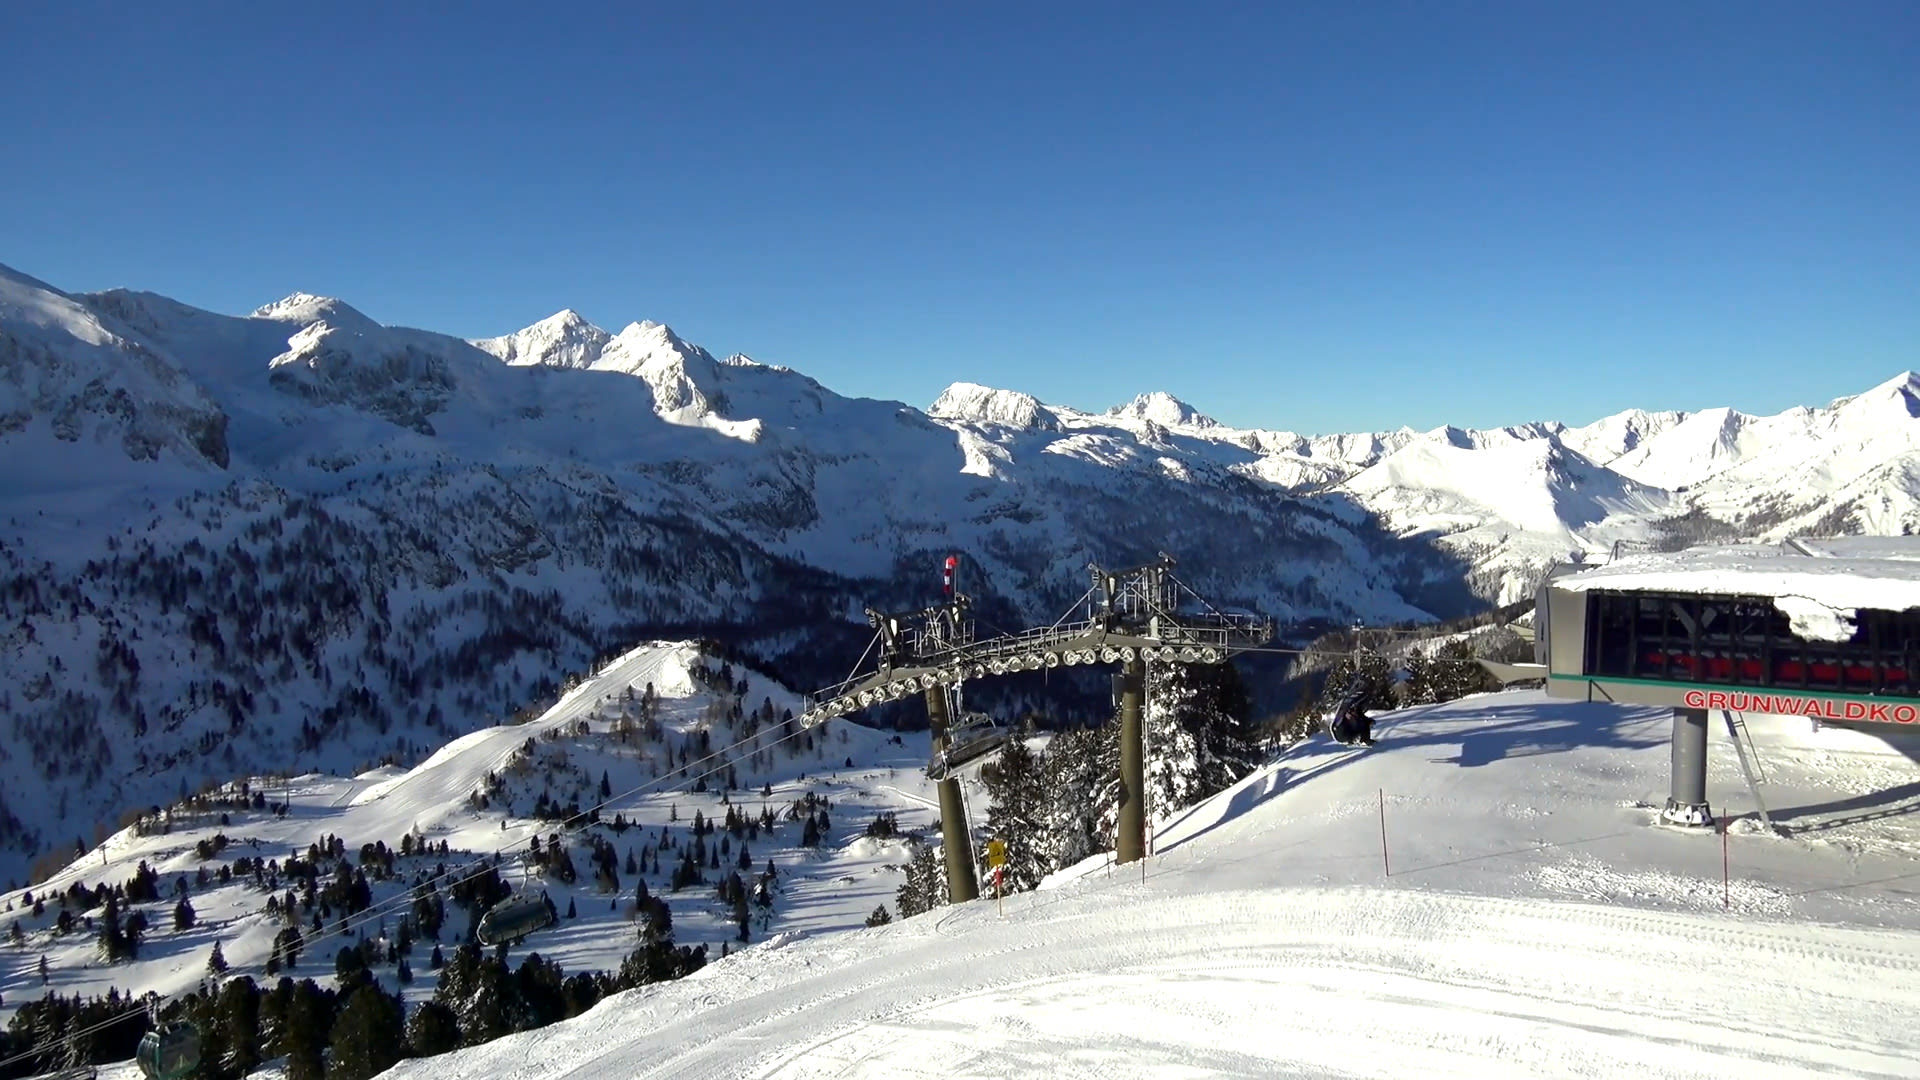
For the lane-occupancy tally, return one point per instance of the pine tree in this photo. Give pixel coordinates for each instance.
(1196, 731)
(926, 884)
(216, 961)
(113, 937)
(136, 933)
(1364, 665)
(879, 916)
(238, 1013)
(303, 1040)
(367, 1036)
(1017, 816)
(1422, 676)
(1457, 675)
(1081, 770)
(183, 915)
(432, 1029)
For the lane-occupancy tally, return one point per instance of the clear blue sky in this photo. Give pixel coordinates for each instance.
(1324, 217)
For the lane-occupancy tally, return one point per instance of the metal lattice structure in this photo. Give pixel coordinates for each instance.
(1143, 613)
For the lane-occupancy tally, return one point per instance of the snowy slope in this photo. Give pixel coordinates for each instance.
(1511, 505)
(407, 538)
(398, 536)
(67, 377)
(829, 889)
(1535, 923)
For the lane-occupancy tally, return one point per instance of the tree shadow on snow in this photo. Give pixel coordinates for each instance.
(1241, 801)
(1545, 728)
(1549, 727)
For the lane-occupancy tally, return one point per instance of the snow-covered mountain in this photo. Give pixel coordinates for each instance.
(1506, 502)
(66, 377)
(614, 742)
(298, 539)
(301, 539)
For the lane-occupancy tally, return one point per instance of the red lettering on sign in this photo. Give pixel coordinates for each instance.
(1823, 708)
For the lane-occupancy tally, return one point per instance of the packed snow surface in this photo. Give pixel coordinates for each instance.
(833, 887)
(1536, 922)
(1818, 592)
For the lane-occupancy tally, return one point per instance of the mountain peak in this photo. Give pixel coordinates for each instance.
(307, 308)
(1906, 383)
(1164, 409)
(652, 333)
(563, 339)
(1896, 402)
(974, 403)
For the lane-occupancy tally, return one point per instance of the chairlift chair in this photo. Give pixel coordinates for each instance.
(971, 736)
(513, 919)
(169, 1052)
(1349, 703)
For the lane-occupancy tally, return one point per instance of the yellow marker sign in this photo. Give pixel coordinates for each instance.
(996, 853)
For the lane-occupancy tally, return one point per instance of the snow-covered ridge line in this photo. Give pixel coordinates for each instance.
(467, 527)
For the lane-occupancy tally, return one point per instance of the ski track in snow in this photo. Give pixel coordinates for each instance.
(1332, 983)
(1536, 924)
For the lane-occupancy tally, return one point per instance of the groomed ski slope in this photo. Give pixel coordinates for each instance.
(1536, 923)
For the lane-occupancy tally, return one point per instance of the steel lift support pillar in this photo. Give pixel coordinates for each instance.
(963, 883)
(1130, 845)
(1687, 796)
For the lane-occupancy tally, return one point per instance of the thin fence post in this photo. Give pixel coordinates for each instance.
(1727, 865)
(1384, 864)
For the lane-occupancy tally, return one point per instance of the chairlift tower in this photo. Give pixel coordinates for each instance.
(1127, 617)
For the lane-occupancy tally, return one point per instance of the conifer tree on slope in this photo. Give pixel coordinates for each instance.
(238, 1010)
(1017, 818)
(1081, 774)
(1422, 675)
(926, 884)
(1364, 665)
(367, 1036)
(1197, 735)
(304, 1038)
(432, 1029)
(1456, 675)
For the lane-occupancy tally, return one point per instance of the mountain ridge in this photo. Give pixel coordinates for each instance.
(303, 538)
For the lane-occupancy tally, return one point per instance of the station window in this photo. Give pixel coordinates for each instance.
(1745, 641)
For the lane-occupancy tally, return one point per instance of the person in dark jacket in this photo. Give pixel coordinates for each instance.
(1350, 724)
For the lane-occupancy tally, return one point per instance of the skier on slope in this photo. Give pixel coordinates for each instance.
(1349, 723)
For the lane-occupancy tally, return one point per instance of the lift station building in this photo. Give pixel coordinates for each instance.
(1828, 629)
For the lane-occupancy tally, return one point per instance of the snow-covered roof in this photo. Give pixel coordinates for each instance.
(1820, 591)
(1897, 548)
